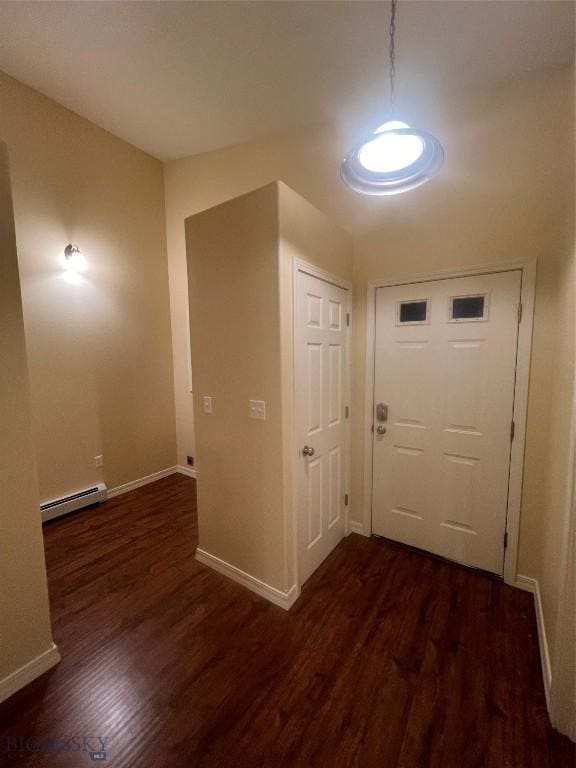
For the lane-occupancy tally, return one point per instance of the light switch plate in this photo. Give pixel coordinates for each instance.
(99, 460)
(257, 409)
(207, 402)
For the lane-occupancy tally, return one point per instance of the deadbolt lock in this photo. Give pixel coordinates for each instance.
(382, 412)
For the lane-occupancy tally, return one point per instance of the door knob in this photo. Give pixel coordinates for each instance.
(380, 429)
(307, 451)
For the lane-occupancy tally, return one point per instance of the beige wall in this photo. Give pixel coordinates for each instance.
(100, 356)
(235, 322)
(240, 257)
(24, 613)
(552, 529)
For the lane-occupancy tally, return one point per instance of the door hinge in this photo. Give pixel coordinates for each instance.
(345, 499)
(519, 313)
(512, 430)
(347, 318)
(346, 412)
(505, 539)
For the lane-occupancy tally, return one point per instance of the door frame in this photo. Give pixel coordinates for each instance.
(299, 265)
(520, 410)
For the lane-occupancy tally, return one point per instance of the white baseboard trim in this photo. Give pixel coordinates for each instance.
(186, 470)
(133, 484)
(354, 527)
(283, 599)
(531, 585)
(29, 672)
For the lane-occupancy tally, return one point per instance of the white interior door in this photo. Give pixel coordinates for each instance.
(320, 338)
(444, 373)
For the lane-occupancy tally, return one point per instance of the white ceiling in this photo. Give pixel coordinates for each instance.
(179, 78)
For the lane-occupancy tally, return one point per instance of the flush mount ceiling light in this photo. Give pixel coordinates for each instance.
(395, 157)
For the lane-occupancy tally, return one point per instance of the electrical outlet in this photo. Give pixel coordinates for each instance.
(190, 461)
(257, 409)
(207, 404)
(99, 460)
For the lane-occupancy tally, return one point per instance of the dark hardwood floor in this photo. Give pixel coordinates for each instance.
(390, 658)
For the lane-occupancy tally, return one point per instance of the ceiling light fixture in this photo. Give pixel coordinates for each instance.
(395, 157)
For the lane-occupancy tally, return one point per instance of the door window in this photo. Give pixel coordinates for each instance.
(412, 312)
(467, 308)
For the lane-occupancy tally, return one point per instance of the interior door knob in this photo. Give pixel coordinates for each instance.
(307, 451)
(380, 429)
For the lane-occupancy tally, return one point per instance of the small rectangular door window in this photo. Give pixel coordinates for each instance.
(468, 308)
(412, 312)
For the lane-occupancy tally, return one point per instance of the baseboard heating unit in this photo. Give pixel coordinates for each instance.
(78, 500)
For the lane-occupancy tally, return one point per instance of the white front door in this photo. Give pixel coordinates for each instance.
(320, 339)
(444, 393)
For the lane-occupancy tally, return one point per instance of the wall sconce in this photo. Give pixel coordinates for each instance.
(74, 258)
(74, 264)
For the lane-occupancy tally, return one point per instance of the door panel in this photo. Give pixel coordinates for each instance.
(334, 384)
(314, 391)
(320, 341)
(314, 502)
(441, 466)
(335, 486)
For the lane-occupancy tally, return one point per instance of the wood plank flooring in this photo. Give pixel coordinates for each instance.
(390, 658)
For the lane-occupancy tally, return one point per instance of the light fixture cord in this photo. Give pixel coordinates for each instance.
(392, 51)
